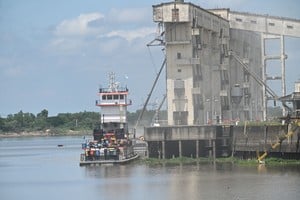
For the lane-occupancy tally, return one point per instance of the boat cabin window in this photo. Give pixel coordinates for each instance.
(122, 96)
(109, 97)
(103, 97)
(116, 96)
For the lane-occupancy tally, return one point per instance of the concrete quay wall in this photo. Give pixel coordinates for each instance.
(260, 138)
(217, 140)
(188, 141)
(173, 133)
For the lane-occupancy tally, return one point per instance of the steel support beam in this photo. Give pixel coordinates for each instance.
(282, 60)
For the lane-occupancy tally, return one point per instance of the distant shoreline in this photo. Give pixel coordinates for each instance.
(44, 133)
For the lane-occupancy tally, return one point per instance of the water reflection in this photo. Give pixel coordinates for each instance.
(107, 171)
(261, 169)
(200, 181)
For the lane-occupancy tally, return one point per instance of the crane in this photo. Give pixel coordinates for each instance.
(149, 95)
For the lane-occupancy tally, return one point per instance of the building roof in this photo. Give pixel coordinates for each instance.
(191, 4)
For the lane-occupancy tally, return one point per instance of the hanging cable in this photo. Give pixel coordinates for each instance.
(152, 60)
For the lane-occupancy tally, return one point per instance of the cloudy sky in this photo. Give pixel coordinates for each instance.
(54, 54)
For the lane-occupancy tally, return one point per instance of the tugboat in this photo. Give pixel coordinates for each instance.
(111, 143)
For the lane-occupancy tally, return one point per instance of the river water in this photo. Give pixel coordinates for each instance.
(35, 168)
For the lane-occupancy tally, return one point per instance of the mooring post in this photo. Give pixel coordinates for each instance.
(163, 149)
(214, 149)
(197, 148)
(180, 148)
(210, 148)
(266, 137)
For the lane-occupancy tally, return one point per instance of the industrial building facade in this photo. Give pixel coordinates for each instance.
(205, 85)
(216, 74)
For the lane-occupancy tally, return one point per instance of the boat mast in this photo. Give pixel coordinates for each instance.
(113, 85)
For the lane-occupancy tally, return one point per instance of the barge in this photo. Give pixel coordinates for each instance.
(111, 143)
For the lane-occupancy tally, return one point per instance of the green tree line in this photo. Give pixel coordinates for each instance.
(24, 121)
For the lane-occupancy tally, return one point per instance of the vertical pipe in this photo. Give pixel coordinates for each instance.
(211, 78)
(264, 71)
(282, 58)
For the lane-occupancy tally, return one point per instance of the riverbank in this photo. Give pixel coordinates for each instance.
(232, 160)
(47, 132)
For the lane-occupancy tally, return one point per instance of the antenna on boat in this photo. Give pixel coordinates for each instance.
(113, 85)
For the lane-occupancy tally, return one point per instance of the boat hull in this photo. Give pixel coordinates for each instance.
(108, 162)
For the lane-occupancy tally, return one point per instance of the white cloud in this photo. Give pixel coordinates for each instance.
(129, 15)
(66, 45)
(98, 31)
(130, 35)
(109, 46)
(78, 26)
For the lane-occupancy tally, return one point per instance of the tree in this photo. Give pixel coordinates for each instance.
(28, 120)
(19, 118)
(41, 120)
(274, 112)
(55, 121)
(2, 123)
(43, 114)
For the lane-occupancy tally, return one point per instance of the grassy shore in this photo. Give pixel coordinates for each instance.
(231, 160)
